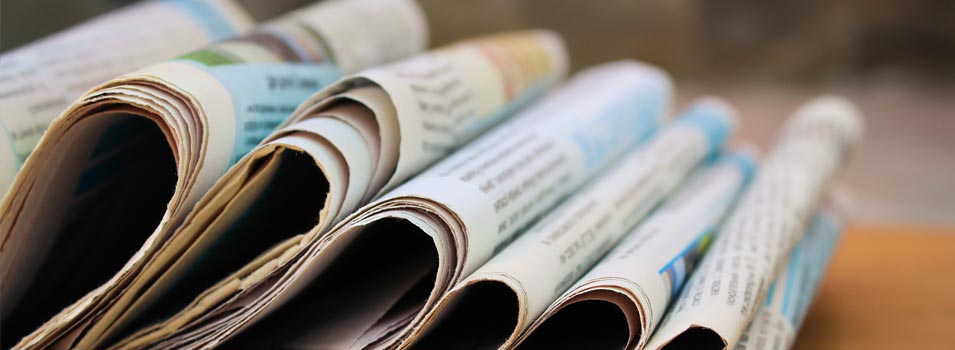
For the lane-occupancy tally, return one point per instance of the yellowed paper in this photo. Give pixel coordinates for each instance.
(446, 215)
(352, 140)
(117, 173)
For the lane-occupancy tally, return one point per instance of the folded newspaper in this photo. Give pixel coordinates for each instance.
(616, 303)
(493, 306)
(725, 291)
(118, 171)
(778, 319)
(342, 142)
(342, 147)
(39, 80)
(264, 192)
(375, 270)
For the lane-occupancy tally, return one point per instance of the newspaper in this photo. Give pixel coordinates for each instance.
(617, 303)
(341, 148)
(778, 319)
(119, 170)
(480, 313)
(39, 80)
(732, 280)
(376, 284)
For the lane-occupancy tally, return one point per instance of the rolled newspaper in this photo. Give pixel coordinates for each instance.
(725, 291)
(41, 79)
(341, 148)
(118, 171)
(381, 269)
(778, 319)
(494, 305)
(617, 304)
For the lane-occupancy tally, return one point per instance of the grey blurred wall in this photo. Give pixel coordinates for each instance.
(807, 40)
(779, 39)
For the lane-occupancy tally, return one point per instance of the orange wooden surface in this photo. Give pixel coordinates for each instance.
(887, 288)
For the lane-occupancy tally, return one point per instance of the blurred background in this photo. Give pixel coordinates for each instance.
(895, 58)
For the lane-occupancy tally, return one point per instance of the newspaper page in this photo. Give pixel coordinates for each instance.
(532, 271)
(383, 267)
(341, 148)
(145, 146)
(732, 280)
(40, 80)
(778, 319)
(617, 303)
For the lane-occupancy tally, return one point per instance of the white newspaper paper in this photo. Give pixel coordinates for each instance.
(341, 148)
(732, 280)
(619, 302)
(384, 267)
(116, 173)
(779, 317)
(41, 79)
(544, 261)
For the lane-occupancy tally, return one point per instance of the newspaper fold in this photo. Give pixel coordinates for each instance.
(732, 280)
(119, 170)
(778, 319)
(39, 80)
(380, 269)
(340, 148)
(520, 282)
(617, 304)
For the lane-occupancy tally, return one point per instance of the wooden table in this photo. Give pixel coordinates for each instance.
(887, 288)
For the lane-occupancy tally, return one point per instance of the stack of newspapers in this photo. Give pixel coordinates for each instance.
(176, 177)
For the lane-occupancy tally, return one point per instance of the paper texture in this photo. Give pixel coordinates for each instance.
(482, 197)
(778, 319)
(617, 303)
(441, 225)
(555, 252)
(40, 80)
(341, 148)
(119, 170)
(724, 292)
